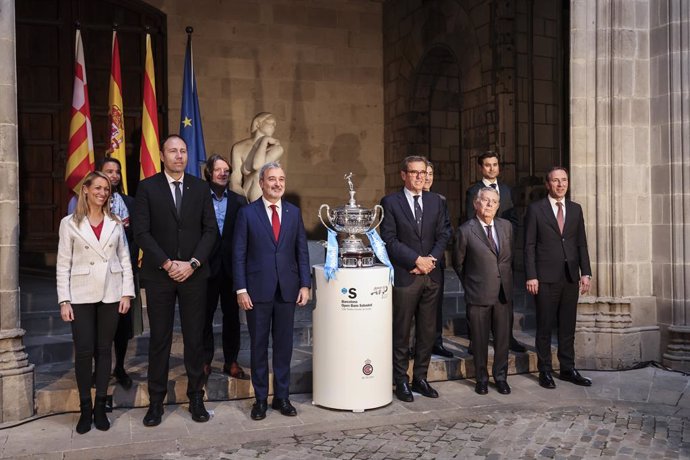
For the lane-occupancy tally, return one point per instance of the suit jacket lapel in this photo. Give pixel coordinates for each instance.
(404, 204)
(263, 219)
(285, 217)
(502, 232)
(478, 230)
(108, 228)
(550, 217)
(167, 195)
(86, 233)
(570, 218)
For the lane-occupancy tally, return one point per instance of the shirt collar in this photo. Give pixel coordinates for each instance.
(410, 194)
(484, 224)
(488, 183)
(171, 180)
(267, 203)
(553, 201)
(213, 195)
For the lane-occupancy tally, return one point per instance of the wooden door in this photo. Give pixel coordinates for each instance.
(45, 76)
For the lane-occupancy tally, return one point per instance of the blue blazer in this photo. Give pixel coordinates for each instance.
(405, 243)
(260, 264)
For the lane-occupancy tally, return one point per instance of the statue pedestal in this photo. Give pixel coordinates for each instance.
(353, 339)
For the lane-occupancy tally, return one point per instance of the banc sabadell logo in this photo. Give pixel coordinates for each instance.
(351, 293)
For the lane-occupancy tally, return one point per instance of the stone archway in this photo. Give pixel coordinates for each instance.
(434, 117)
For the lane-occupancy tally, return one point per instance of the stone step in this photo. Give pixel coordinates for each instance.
(48, 349)
(56, 389)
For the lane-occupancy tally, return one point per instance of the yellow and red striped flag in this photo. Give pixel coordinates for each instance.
(80, 160)
(116, 114)
(149, 155)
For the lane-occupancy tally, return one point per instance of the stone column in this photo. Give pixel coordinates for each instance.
(16, 373)
(610, 163)
(670, 69)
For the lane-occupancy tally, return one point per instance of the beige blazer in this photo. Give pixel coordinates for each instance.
(91, 270)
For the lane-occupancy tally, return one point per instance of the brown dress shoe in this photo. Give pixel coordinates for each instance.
(234, 370)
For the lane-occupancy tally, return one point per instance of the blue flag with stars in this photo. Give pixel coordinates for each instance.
(190, 117)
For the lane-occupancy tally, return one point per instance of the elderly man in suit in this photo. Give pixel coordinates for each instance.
(271, 273)
(490, 167)
(556, 268)
(226, 203)
(416, 231)
(175, 226)
(482, 259)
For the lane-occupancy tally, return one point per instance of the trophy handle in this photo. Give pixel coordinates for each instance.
(378, 208)
(328, 214)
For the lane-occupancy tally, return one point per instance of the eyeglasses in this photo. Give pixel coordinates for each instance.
(416, 173)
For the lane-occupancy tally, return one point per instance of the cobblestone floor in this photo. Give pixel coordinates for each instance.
(564, 433)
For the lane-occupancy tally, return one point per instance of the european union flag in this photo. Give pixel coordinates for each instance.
(190, 117)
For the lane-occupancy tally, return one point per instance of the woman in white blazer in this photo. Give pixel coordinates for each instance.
(94, 286)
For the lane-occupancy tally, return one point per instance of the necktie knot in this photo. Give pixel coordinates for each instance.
(494, 185)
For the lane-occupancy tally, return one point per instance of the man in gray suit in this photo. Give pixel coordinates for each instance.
(482, 258)
(490, 168)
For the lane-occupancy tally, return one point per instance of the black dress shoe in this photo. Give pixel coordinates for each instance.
(503, 387)
(122, 378)
(154, 414)
(546, 380)
(259, 409)
(481, 388)
(422, 387)
(440, 350)
(197, 409)
(403, 392)
(573, 376)
(516, 346)
(284, 406)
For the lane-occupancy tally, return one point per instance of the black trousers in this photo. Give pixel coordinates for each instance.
(556, 306)
(486, 319)
(277, 320)
(220, 286)
(418, 301)
(191, 297)
(93, 328)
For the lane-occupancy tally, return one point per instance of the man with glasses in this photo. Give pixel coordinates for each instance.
(416, 230)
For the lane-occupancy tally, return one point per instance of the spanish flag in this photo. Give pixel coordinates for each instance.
(149, 155)
(116, 114)
(80, 160)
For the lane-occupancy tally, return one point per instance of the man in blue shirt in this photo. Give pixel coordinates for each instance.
(225, 204)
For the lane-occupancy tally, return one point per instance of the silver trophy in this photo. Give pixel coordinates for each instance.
(353, 220)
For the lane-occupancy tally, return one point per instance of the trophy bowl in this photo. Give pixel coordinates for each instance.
(352, 219)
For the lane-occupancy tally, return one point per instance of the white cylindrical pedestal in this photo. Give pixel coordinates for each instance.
(353, 322)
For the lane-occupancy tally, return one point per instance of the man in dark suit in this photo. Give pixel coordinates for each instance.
(226, 203)
(416, 230)
(556, 268)
(271, 273)
(490, 168)
(482, 258)
(176, 228)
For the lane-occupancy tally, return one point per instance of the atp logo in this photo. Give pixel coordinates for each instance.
(351, 293)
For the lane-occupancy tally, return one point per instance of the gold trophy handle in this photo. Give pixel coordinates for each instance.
(328, 214)
(378, 208)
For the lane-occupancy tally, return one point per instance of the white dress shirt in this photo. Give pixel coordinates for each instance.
(554, 207)
(410, 199)
(493, 232)
(172, 186)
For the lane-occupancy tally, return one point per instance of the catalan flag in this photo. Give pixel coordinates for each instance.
(149, 155)
(190, 117)
(80, 160)
(116, 114)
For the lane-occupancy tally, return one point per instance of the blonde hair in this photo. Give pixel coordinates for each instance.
(258, 119)
(82, 209)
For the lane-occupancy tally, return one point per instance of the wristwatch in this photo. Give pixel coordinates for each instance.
(194, 263)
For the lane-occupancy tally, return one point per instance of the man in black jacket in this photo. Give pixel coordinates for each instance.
(176, 229)
(226, 203)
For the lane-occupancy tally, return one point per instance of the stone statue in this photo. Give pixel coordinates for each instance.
(249, 155)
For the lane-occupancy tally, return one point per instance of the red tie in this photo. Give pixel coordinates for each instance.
(559, 216)
(275, 221)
